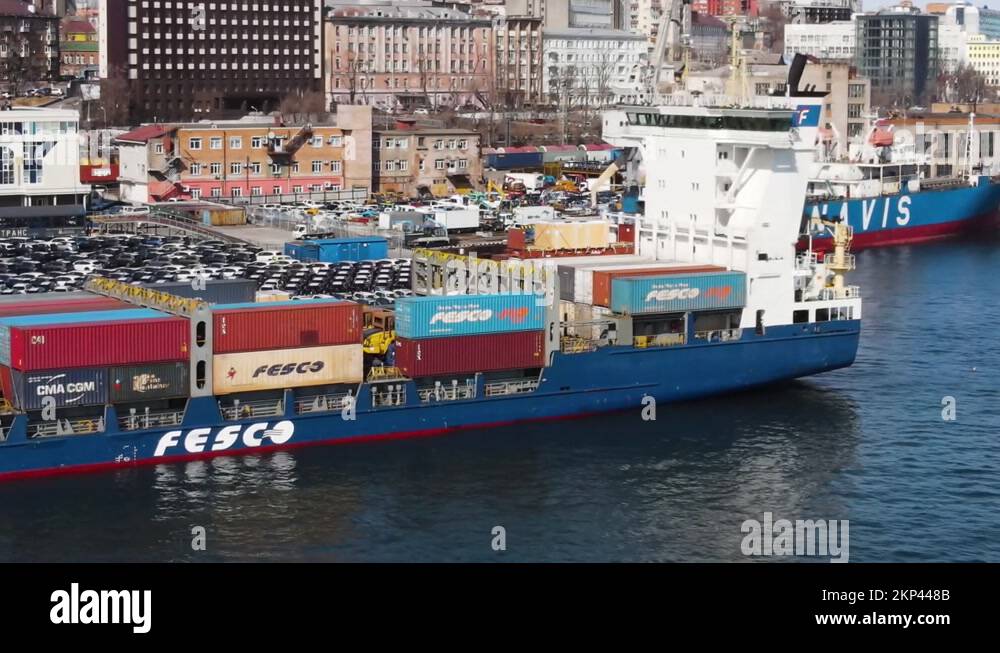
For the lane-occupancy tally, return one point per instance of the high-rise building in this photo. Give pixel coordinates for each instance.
(897, 49)
(29, 43)
(189, 59)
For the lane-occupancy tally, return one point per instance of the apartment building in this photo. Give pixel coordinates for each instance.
(254, 158)
(405, 55)
(187, 59)
(833, 40)
(78, 47)
(425, 160)
(593, 67)
(897, 49)
(846, 105)
(518, 69)
(644, 18)
(29, 44)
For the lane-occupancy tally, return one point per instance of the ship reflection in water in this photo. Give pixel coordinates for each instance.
(866, 444)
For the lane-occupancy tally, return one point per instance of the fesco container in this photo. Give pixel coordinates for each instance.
(128, 383)
(68, 305)
(284, 325)
(216, 291)
(601, 291)
(75, 387)
(672, 293)
(464, 354)
(465, 315)
(287, 368)
(93, 339)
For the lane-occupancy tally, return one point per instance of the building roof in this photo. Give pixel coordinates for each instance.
(73, 25)
(145, 133)
(593, 33)
(426, 130)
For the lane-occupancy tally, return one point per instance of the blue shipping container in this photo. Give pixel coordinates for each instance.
(335, 250)
(463, 315)
(674, 293)
(77, 387)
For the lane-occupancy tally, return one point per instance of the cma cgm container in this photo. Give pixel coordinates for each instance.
(287, 368)
(602, 277)
(95, 339)
(284, 325)
(216, 291)
(78, 387)
(672, 293)
(463, 354)
(61, 305)
(334, 250)
(464, 315)
(140, 382)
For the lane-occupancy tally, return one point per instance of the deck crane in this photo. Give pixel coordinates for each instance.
(671, 53)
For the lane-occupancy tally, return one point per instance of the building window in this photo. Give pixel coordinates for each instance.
(216, 143)
(237, 191)
(439, 164)
(256, 191)
(317, 167)
(335, 167)
(317, 141)
(216, 191)
(158, 148)
(275, 168)
(336, 141)
(195, 169)
(390, 166)
(295, 167)
(6, 166)
(255, 167)
(403, 165)
(296, 189)
(276, 190)
(194, 144)
(196, 193)
(235, 168)
(216, 169)
(257, 142)
(236, 142)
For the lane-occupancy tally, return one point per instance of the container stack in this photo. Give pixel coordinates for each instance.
(276, 345)
(69, 356)
(678, 292)
(442, 335)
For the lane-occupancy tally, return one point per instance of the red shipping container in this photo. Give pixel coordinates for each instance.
(462, 354)
(6, 384)
(602, 278)
(66, 305)
(286, 327)
(99, 344)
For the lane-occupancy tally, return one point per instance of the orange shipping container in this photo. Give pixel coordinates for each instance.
(602, 278)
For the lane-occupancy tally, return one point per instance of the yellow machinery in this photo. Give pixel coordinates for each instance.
(377, 341)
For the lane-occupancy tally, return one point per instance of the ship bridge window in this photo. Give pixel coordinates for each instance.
(738, 123)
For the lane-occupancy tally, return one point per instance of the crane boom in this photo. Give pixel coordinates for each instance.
(672, 44)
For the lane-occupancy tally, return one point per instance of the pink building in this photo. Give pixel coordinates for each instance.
(406, 56)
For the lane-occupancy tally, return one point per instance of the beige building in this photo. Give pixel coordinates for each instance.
(394, 55)
(519, 60)
(439, 161)
(847, 103)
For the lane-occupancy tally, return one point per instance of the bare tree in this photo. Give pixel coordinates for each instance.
(20, 65)
(423, 70)
(604, 70)
(776, 21)
(115, 103)
(962, 85)
(307, 107)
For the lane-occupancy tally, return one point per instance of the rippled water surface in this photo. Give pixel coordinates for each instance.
(866, 444)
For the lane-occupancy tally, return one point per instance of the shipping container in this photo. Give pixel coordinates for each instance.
(51, 306)
(272, 296)
(601, 284)
(223, 217)
(76, 387)
(284, 325)
(674, 293)
(216, 291)
(579, 234)
(287, 368)
(468, 354)
(139, 382)
(454, 315)
(335, 250)
(97, 339)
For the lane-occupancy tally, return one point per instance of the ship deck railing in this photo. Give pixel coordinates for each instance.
(512, 387)
(141, 421)
(719, 335)
(388, 394)
(576, 345)
(323, 403)
(806, 261)
(661, 340)
(58, 427)
(845, 292)
(249, 409)
(451, 392)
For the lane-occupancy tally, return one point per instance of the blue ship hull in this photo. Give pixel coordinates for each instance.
(906, 218)
(614, 378)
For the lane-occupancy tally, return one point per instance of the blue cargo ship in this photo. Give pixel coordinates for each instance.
(930, 211)
(772, 315)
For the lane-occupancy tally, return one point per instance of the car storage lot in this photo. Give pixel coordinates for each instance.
(31, 266)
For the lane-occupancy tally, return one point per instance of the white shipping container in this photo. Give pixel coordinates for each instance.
(287, 368)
